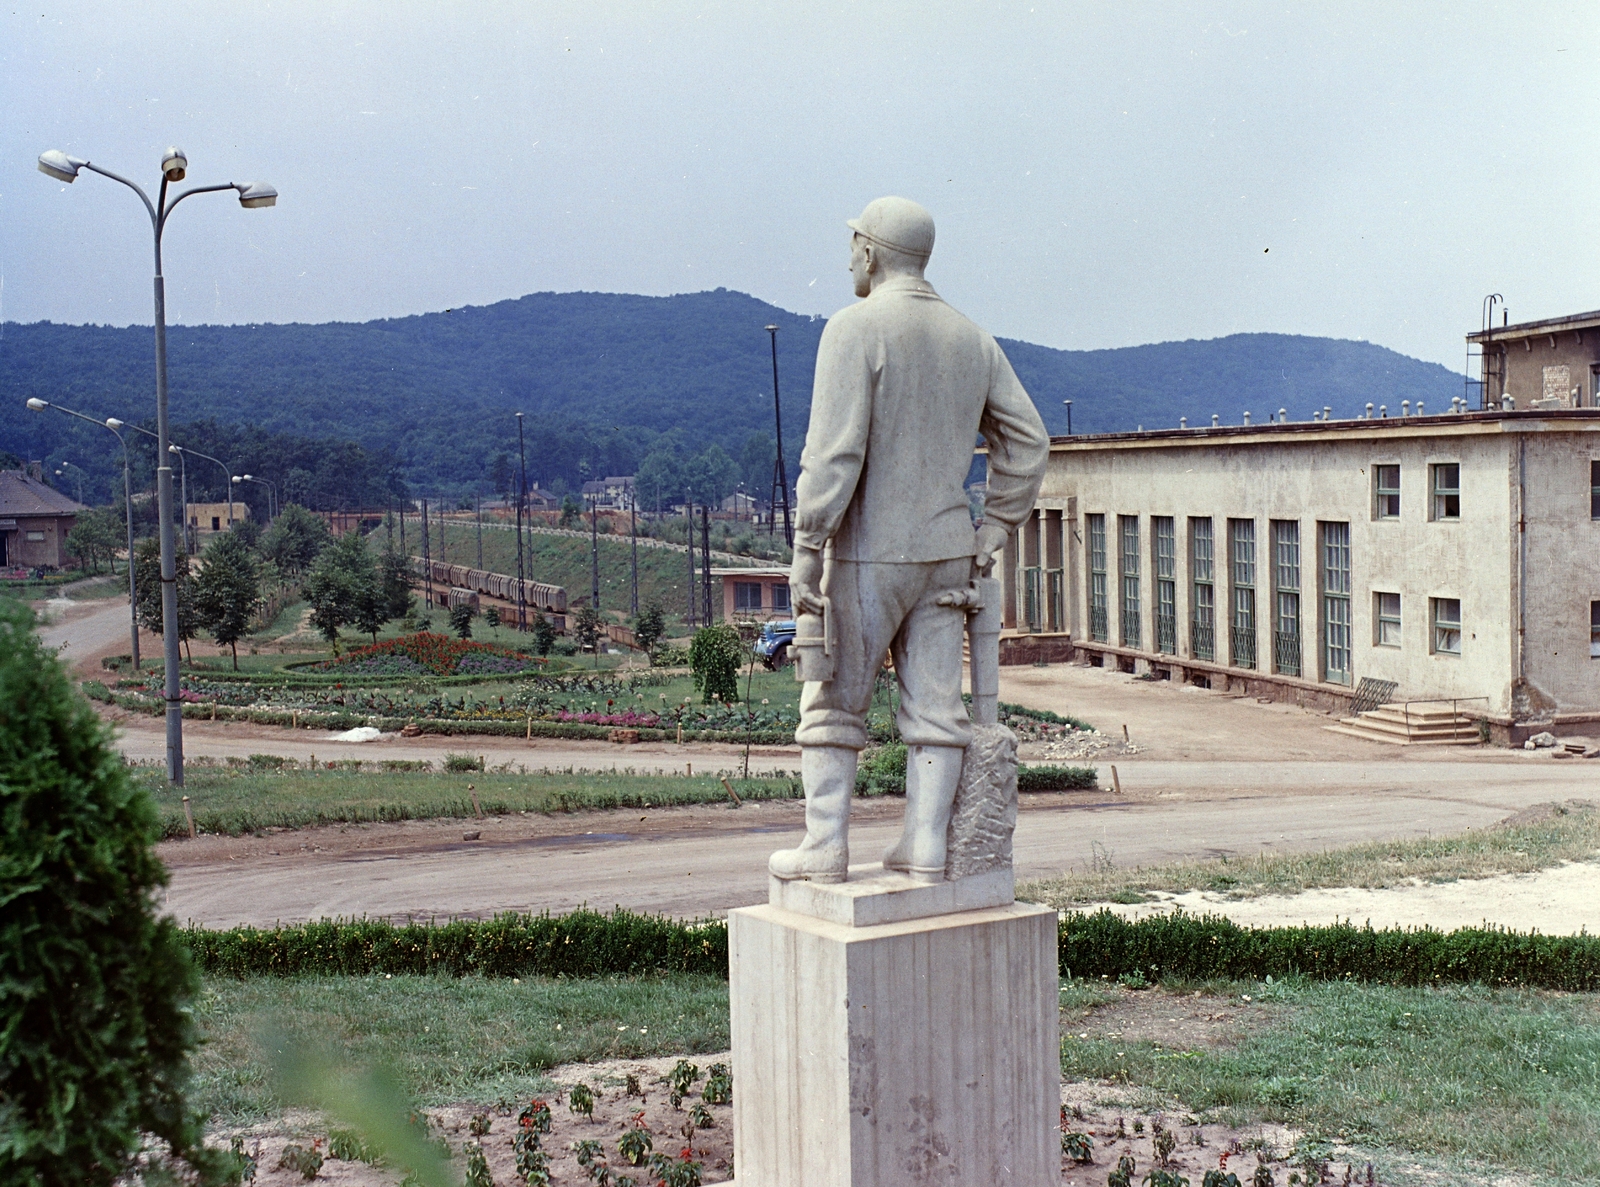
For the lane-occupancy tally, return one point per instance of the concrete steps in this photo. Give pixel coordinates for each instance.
(1421, 725)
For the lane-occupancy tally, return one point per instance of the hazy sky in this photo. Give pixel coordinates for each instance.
(1101, 175)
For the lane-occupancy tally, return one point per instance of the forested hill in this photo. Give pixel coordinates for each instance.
(602, 375)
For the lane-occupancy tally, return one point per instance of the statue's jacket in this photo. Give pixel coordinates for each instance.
(904, 386)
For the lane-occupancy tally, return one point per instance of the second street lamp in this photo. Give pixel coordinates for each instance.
(114, 425)
(252, 195)
(272, 495)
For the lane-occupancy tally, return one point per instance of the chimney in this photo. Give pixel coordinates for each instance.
(36, 471)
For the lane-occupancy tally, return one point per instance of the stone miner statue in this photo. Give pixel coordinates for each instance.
(904, 387)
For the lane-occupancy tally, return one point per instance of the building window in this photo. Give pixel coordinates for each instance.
(1386, 480)
(1242, 566)
(1386, 613)
(1594, 630)
(1166, 541)
(216, 523)
(1286, 591)
(747, 595)
(1447, 491)
(34, 537)
(780, 596)
(1447, 626)
(1098, 630)
(1594, 490)
(1336, 602)
(1128, 620)
(1203, 623)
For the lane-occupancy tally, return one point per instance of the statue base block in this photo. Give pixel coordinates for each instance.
(903, 1054)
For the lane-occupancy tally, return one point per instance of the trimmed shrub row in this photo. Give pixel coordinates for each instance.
(1187, 947)
(1057, 778)
(1179, 946)
(582, 944)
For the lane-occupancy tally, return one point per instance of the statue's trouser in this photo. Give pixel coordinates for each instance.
(878, 608)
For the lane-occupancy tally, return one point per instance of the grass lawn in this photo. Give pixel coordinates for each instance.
(447, 1039)
(1508, 1078)
(1462, 1077)
(241, 800)
(1565, 835)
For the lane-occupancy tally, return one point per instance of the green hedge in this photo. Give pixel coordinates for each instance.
(1056, 778)
(582, 944)
(1187, 947)
(1179, 946)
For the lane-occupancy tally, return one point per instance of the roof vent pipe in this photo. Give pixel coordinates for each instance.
(1283, 416)
(1508, 404)
(1405, 407)
(1327, 412)
(1183, 422)
(1383, 412)
(1215, 420)
(1369, 411)
(1246, 418)
(1419, 408)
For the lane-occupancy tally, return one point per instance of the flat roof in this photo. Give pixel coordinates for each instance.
(1448, 424)
(768, 572)
(1532, 329)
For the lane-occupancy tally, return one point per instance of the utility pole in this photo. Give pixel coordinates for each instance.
(477, 508)
(594, 550)
(705, 559)
(427, 560)
(781, 474)
(522, 495)
(688, 515)
(633, 530)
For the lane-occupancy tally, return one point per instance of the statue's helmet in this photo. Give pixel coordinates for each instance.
(898, 224)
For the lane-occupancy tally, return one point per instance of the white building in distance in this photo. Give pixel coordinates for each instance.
(1451, 558)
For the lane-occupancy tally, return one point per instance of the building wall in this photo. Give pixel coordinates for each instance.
(1527, 361)
(1563, 571)
(1308, 478)
(49, 551)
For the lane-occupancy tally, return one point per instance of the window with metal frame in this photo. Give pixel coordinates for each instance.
(1386, 613)
(1128, 569)
(780, 596)
(1447, 490)
(1163, 532)
(1386, 484)
(1336, 640)
(1203, 619)
(1594, 490)
(1242, 570)
(747, 595)
(1286, 590)
(1099, 630)
(1446, 626)
(1594, 630)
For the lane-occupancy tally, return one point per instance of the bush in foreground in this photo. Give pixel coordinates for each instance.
(95, 1034)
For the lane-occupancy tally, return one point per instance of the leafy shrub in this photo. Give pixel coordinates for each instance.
(1056, 778)
(1123, 1175)
(96, 690)
(478, 1167)
(667, 656)
(882, 770)
(715, 654)
(96, 1031)
(719, 1085)
(634, 1145)
(682, 1078)
(1078, 1146)
(462, 762)
(425, 652)
(581, 1100)
(305, 1161)
(581, 944)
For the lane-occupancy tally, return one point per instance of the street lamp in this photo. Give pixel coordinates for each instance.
(114, 425)
(183, 469)
(272, 493)
(252, 195)
(227, 486)
(79, 480)
(780, 473)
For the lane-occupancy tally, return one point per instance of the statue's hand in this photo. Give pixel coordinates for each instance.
(805, 580)
(991, 543)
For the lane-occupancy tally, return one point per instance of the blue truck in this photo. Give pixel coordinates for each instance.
(772, 645)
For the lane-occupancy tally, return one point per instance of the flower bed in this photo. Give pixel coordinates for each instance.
(426, 652)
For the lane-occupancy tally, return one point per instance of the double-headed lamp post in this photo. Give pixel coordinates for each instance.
(272, 493)
(115, 426)
(252, 195)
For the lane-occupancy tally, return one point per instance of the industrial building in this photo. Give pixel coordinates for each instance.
(1450, 558)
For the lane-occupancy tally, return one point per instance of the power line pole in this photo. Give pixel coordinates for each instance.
(427, 559)
(477, 507)
(688, 515)
(705, 558)
(777, 418)
(522, 495)
(633, 528)
(594, 550)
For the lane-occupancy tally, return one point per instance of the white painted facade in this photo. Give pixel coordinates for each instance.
(1527, 600)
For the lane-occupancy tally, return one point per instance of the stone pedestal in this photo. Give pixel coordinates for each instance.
(887, 1034)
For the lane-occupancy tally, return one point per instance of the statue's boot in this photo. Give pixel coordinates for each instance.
(829, 776)
(932, 773)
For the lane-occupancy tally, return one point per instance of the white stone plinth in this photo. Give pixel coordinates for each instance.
(874, 895)
(904, 1054)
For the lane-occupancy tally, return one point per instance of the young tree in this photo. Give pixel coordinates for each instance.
(147, 582)
(570, 512)
(227, 591)
(649, 627)
(394, 581)
(587, 627)
(501, 475)
(341, 578)
(94, 537)
(461, 620)
(491, 616)
(715, 655)
(295, 539)
(96, 1018)
(247, 530)
(544, 635)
